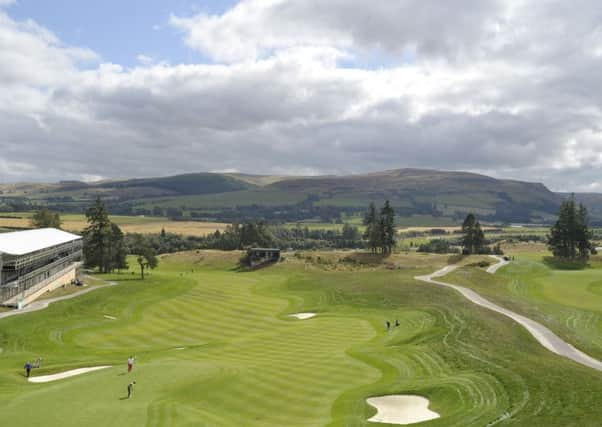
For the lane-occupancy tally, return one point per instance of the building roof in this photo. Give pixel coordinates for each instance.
(24, 242)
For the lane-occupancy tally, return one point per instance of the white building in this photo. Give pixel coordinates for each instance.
(33, 262)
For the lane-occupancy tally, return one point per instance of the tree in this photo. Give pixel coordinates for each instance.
(380, 228)
(372, 233)
(104, 245)
(96, 236)
(583, 234)
(118, 249)
(473, 238)
(387, 227)
(350, 233)
(45, 218)
(145, 254)
(255, 234)
(570, 236)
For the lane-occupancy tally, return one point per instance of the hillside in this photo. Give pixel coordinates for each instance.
(420, 196)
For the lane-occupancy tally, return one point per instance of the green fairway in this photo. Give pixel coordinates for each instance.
(217, 347)
(567, 301)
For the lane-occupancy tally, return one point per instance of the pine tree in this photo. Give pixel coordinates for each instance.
(372, 233)
(119, 251)
(584, 234)
(387, 227)
(468, 233)
(570, 236)
(96, 236)
(479, 238)
(104, 245)
(473, 238)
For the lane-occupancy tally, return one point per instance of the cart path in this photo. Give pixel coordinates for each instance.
(495, 267)
(42, 304)
(543, 335)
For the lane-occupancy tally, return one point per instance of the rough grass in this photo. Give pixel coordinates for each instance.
(246, 363)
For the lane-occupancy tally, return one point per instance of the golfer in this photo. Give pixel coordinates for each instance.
(130, 363)
(131, 389)
(28, 368)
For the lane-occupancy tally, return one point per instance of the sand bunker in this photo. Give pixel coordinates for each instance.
(106, 316)
(401, 409)
(303, 316)
(66, 374)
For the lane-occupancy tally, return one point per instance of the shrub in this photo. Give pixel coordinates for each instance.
(438, 246)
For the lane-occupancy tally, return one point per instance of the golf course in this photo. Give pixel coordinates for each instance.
(218, 346)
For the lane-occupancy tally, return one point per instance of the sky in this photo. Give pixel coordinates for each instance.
(113, 89)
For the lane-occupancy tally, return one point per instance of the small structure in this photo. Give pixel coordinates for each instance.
(260, 256)
(33, 262)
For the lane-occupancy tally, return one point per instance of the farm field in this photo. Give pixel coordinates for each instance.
(217, 347)
(567, 301)
(128, 224)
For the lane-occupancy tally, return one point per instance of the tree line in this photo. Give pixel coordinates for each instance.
(260, 234)
(106, 247)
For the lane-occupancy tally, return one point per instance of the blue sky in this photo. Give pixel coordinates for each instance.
(120, 30)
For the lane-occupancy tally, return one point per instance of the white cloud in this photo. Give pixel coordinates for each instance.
(145, 59)
(318, 87)
(254, 28)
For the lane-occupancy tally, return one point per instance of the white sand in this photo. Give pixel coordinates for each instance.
(180, 348)
(303, 316)
(66, 374)
(401, 409)
(110, 317)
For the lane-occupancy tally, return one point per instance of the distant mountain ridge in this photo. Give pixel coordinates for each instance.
(444, 196)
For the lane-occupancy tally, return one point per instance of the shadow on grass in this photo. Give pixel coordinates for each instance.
(366, 258)
(558, 263)
(241, 268)
(455, 258)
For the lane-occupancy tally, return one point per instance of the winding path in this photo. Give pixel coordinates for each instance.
(543, 335)
(42, 304)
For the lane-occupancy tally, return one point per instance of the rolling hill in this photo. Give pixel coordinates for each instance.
(425, 195)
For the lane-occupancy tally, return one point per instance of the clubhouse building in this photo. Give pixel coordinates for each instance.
(33, 262)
